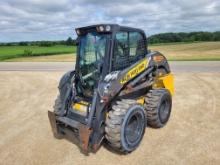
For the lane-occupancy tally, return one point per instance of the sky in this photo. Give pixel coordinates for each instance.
(30, 20)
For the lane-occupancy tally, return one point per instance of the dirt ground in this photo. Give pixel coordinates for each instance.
(190, 137)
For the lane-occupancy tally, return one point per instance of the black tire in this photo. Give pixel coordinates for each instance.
(125, 125)
(57, 110)
(58, 106)
(158, 103)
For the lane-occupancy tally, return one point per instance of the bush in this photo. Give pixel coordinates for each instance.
(46, 44)
(28, 52)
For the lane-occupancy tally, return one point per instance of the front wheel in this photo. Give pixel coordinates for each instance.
(58, 112)
(125, 126)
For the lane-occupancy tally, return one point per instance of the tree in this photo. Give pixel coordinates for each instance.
(216, 36)
(45, 44)
(23, 43)
(69, 41)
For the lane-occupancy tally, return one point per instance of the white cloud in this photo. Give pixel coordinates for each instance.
(56, 19)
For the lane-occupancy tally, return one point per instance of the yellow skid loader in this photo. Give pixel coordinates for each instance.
(118, 88)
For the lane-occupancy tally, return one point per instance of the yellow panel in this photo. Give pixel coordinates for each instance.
(106, 115)
(140, 100)
(80, 107)
(84, 103)
(168, 82)
(134, 71)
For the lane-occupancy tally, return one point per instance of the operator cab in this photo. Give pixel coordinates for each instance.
(102, 49)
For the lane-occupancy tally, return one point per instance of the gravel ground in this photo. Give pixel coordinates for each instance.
(190, 137)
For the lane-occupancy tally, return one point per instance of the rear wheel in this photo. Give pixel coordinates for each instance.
(158, 104)
(125, 125)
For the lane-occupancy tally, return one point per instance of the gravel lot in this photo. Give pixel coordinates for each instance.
(190, 137)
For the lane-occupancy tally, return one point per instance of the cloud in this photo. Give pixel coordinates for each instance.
(55, 19)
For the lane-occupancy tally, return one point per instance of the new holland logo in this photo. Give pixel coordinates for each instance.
(134, 71)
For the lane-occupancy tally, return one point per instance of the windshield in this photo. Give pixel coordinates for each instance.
(91, 54)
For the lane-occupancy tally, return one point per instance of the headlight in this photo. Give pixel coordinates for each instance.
(108, 28)
(101, 28)
(78, 31)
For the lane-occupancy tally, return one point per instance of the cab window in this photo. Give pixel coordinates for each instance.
(129, 48)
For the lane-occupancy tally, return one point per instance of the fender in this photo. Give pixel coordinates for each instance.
(66, 78)
(159, 61)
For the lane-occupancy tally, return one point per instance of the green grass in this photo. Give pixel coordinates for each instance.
(196, 51)
(9, 52)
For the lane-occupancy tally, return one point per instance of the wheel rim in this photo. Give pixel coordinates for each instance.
(164, 110)
(134, 129)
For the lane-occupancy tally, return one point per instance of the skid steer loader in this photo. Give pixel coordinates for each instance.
(118, 87)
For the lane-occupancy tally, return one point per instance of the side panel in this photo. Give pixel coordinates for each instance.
(168, 82)
(165, 81)
(134, 71)
(115, 81)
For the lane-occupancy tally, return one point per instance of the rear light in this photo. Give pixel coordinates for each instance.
(158, 58)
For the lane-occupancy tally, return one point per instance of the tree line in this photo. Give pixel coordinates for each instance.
(154, 39)
(68, 42)
(184, 37)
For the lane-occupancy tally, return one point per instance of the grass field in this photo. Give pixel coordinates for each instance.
(11, 52)
(203, 51)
